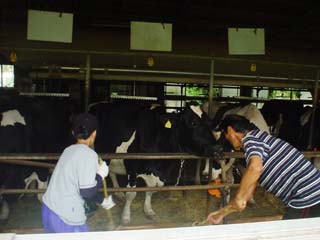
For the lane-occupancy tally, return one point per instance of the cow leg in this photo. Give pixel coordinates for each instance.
(126, 213)
(197, 180)
(28, 180)
(42, 180)
(117, 167)
(4, 209)
(205, 171)
(148, 207)
(41, 184)
(151, 181)
(115, 184)
(215, 172)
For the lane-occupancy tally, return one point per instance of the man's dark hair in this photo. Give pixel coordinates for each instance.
(237, 122)
(84, 125)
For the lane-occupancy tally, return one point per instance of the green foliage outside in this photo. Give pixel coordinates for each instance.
(273, 94)
(194, 91)
(197, 91)
(284, 94)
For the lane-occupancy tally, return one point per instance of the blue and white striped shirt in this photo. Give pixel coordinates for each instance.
(286, 172)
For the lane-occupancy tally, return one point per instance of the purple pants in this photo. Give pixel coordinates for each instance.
(52, 223)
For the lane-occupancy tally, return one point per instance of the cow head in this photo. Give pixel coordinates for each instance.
(195, 133)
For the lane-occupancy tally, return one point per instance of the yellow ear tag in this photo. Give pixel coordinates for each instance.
(168, 124)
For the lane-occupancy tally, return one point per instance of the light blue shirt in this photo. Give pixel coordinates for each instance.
(76, 168)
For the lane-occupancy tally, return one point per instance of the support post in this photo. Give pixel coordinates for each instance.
(210, 101)
(211, 88)
(87, 82)
(315, 104)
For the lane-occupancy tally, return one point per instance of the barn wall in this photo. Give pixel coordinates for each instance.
(190, 42)
(193, 42)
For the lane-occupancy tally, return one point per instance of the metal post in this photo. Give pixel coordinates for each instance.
(1, 78)
(87, 82)
(211, 87)
(210, 100)
(134, 89)
(315, 103)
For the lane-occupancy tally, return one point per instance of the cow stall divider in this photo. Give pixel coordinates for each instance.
(33, 159)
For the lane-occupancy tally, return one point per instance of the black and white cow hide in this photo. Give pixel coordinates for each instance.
(283, 118)
(31, 125)
(12, 138)
(133, 129)
(291, 122)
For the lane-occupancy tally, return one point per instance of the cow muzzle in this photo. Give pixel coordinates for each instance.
(215, 151)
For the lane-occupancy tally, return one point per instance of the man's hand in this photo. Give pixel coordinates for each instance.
(215, 217)
(245, 192)
(103, 170)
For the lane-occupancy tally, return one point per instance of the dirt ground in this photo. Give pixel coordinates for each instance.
(183, 210)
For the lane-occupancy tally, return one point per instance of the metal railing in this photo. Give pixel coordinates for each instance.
(36, 160)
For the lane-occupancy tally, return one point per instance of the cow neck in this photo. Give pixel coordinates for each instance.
(176, 139)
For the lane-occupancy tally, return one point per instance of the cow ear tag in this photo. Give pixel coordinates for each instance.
(168, 124)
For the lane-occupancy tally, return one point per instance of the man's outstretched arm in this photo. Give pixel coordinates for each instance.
(245, 192)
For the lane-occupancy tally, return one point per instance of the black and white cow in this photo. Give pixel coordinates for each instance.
(283, 118)
(31, 125)
(13, 140)
(291, 121)
(125, 129)
(48, 121)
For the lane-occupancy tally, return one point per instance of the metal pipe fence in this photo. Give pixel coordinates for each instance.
(132, 156)
(34, 158)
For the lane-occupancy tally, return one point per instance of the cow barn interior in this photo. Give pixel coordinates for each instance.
(170, 53)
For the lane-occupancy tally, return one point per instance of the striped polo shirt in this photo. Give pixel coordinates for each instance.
(286, 172)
